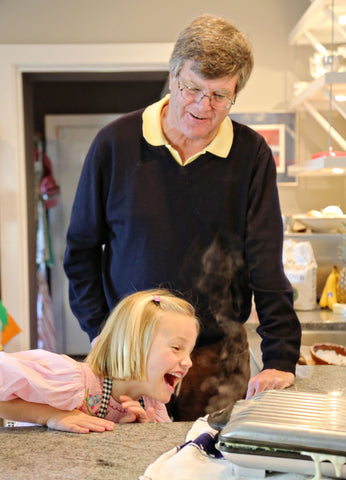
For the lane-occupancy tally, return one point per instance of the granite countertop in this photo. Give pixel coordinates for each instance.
(37, 453)
(323, 319)
(319, 318)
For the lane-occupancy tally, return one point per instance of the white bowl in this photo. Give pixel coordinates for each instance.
(323, 224)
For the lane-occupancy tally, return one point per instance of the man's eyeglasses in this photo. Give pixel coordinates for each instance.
(194, 94)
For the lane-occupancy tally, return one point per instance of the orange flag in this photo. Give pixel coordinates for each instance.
(8, 327)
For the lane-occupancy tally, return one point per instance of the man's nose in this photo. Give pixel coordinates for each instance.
(205, 101)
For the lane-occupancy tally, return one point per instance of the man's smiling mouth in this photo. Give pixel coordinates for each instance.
(197, 117)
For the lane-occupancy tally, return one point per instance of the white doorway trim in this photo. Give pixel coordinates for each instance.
(14, 61)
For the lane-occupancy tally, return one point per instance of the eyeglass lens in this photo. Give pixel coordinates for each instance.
(197, 95)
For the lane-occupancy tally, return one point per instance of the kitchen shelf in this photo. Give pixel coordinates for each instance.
(318, 90)
(316, 96)
(319, 25)
(316, 23)
(327, 164)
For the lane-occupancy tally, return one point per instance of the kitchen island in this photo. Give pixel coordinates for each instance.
(38, 453)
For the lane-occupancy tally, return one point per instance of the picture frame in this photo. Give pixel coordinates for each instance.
(275, 137)
(278, 129)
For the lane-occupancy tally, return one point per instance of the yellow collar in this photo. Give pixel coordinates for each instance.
(153, 134)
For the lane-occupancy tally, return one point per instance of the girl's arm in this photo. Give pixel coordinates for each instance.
(68, 421)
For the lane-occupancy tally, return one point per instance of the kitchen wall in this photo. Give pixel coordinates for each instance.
(109, 21)
(277, 65)
(136, 21)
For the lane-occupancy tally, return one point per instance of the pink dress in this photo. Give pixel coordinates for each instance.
(40, 376)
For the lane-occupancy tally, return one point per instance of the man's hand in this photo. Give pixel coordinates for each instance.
(77, 422)
(135, 412)
(269, 379)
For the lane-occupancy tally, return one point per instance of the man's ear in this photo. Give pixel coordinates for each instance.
(171, 79)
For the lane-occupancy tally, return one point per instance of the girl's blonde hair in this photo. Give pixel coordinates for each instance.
(122, 348)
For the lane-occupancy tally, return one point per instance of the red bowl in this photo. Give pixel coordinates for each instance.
(321, 360)
(328, 153)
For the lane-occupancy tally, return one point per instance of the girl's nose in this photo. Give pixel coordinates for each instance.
(186, 361)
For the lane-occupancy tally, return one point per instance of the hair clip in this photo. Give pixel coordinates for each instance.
(156, 299)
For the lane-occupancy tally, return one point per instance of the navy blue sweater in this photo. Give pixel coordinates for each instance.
(210, 230)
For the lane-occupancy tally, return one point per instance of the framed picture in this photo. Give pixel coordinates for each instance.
(275, 137)
(278, 129)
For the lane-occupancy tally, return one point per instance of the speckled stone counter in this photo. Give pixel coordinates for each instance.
(321, 319)
(37, 453)
(320, 379)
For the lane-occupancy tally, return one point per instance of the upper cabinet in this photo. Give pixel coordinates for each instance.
(323, 26)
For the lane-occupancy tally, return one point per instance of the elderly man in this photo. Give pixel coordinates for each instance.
(180, 196)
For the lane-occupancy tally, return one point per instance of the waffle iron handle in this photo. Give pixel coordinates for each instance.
(219, 419)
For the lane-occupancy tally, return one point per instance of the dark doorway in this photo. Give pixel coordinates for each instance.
(50, 93)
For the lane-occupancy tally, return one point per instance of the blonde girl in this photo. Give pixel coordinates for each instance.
(138, 360)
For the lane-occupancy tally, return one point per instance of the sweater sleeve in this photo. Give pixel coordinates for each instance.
(86, 235)
(39, 376)
(279, 326)
(92, 235)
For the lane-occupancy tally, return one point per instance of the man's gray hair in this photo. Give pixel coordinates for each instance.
(216, 48)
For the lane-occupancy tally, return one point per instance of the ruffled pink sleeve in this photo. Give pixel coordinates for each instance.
(42, 377)
(161, 414)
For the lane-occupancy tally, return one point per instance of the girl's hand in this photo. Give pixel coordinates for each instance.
(68, 421)
(77, 422)
(135, 412)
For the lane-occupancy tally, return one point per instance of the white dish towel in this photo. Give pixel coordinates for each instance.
(196, 459)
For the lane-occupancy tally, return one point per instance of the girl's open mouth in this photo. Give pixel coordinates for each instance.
(172, 379)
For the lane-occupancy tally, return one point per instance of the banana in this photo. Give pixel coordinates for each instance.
(332, 298)
(323, 300)
(328, 297)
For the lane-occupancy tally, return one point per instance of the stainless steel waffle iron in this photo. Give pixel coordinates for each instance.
(287, 431)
